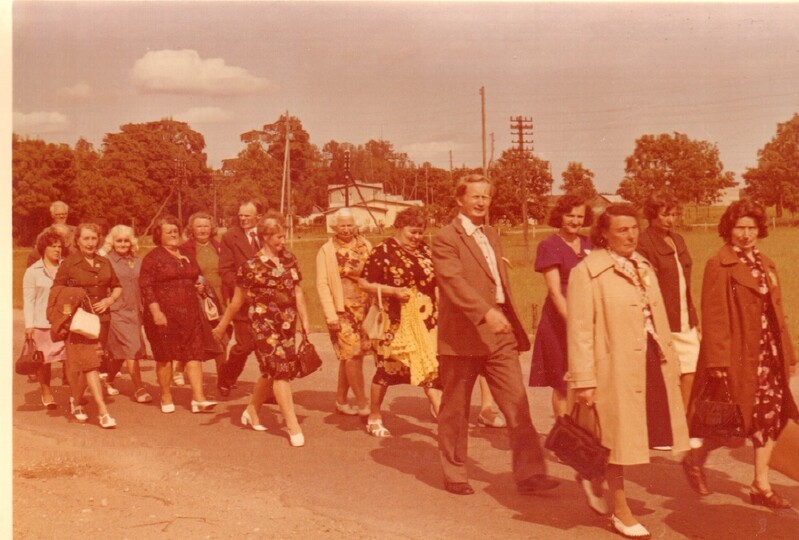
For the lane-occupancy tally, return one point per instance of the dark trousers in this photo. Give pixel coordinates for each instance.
(231, 370)
(504, 376)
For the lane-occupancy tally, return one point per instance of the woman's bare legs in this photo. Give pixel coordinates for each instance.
(615, 477)
(354, 375)
(434, 395)
(92, 379)
(285, 401)
(259, 394)
(193, 369)
(163, 371)
(378, 394)
(762, 457)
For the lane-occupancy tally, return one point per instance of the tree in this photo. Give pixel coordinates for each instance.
(775, 180)
(578, 180)
(507, 175)
(690, 169)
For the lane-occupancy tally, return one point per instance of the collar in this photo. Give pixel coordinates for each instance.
(468, 225)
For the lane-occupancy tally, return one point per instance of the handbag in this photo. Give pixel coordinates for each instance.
(374, 323)
(785, 456)
(576, 446)
(715, 414)
(308, 360)
(30, 359)
(85, 324)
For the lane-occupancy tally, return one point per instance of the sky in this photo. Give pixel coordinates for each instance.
(593, 77)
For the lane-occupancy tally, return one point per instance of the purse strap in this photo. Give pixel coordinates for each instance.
(575, 414)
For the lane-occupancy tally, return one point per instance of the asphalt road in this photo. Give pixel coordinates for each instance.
(204, 476)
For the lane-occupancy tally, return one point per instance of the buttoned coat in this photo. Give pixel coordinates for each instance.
(234, 251)
(731, 329)
(468, 291)
(652, 245)
(98, 281)
(607, 350)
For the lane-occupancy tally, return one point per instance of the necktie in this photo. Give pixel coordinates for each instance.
(254, 241)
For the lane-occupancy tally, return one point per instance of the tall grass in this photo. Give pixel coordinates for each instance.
(528, 287)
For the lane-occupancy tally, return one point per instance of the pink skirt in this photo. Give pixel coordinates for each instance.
(53, 351)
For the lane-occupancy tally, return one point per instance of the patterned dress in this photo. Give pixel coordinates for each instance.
(350, 342)
(767, 417)
(390, 264)
(270, 290)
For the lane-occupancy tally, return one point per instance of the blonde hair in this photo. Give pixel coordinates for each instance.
(118, 231)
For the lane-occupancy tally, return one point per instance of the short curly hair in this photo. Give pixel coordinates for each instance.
(47, 238)
(413, 216)
(158, 228)
(741, 209)
(271, 223)
(119, 231)
(602, 224)
(657, 201)
(565, 205)
(200, 215)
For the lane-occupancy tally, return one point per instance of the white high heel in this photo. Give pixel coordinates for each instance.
(636, 531)
(297, 439)
(77, 411)
(107, 422)
(246, 420)
(597, 503)
(202, 406)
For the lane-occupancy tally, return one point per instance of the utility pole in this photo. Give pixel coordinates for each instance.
(180, 173)
(522, 127)
(491, 159)
(483, 114)
(346, 178)
(450, 166)
(426, 186)
(285, 194)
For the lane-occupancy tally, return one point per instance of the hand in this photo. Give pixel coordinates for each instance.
(403, 294)
(200, 288)
(718, 373)
(218, 332)
(102, 305)
(586, 396)
(29, 333)
(497, 322)
(159, 319)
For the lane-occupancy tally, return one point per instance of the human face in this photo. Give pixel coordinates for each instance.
(665, 219)
(201, 230)
(345, 228)
(572, 221)
(52, 253)
(745, 233)
(275, 243)
(60, 215)
(410, 237)
(170, 236)
(87, 242)
(248, 216)
(622, 235)
(475, 202)
(122, 245)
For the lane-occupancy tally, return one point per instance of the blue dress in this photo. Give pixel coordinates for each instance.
(550, 362)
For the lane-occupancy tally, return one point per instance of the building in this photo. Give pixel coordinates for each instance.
(372, 208)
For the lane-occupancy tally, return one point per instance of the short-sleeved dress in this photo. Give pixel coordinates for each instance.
(169, 281)
(350, 341)
(390, 264)
(270, 290)
(125, 339)
(550, 361)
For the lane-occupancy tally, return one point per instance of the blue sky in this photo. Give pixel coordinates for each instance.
(594, 77)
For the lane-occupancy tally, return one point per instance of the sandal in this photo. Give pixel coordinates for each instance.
(769, 500)
(375, 428)
(142, 396)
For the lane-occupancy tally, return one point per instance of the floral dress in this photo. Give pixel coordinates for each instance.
(270, 289)
(390, 264)
(767, 417)
(350, 342)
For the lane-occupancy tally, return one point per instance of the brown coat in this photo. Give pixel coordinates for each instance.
(607, 351)
(468, 291)
(731, 329)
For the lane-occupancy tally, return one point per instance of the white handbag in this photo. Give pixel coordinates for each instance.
(85, 324)
(374, 325)
(209, 308)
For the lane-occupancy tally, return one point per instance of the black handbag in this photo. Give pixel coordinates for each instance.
(308, 359)
(30, 360)
(715, 414)
(576, 446)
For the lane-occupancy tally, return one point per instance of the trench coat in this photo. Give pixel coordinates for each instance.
(731, 330)
(607, 351)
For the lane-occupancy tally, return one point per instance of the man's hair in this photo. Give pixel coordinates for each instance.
(58, 205)
(463, 182)
(260, 208)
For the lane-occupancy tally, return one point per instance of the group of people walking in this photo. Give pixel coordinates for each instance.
(619, 331)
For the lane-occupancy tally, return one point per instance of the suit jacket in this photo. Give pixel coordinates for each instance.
(653, 246)
(235, 250)
(468, 291)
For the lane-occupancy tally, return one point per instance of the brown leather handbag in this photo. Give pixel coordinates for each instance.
(715, 413)
(578, 447)
(308, 359)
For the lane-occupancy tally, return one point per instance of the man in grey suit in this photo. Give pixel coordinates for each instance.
(480, 334)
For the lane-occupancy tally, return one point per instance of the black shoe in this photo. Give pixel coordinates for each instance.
(537, 482)
(459, 488)
(224, 391)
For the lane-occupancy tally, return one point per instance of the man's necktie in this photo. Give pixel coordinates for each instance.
(254, 241)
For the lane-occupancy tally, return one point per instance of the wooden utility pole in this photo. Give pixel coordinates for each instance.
(285, 194)
(522, 127)
(483, 114)
(450, 166)
(491, 158)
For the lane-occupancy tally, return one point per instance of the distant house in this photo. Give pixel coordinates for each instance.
(371, 206)
(729, 196)
(597, 204)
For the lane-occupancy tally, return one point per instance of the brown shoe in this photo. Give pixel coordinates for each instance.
(769, 500)
(696, 478)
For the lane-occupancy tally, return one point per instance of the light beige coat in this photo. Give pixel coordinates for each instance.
(607, 351)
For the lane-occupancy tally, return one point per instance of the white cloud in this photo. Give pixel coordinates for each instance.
(38, 123)
(78, 91)
(203, 115)
(184, 72)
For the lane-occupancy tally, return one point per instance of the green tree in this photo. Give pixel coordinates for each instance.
(510, 170)
(579, 180)
(775, 180)
(690, 169)
(254, 173)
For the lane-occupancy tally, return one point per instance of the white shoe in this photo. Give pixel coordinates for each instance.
(110, 390)
(246, 420)
(77, 411)
(178, 379)
(695, 442)
(297, 439)
(167, 408)
(107, 422)
(347, 409)
(597, 503)
(202, 406)
(637, 531)
(662, 448)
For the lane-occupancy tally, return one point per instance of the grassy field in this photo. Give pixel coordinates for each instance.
(782, 245)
